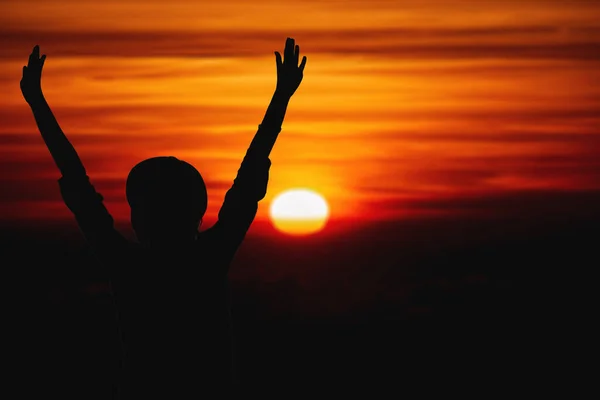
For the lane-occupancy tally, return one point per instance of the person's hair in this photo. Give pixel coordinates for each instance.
(166, 187)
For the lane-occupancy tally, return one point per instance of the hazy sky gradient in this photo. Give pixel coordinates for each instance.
(406, 105)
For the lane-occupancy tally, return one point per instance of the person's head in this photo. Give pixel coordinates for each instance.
(168, 199)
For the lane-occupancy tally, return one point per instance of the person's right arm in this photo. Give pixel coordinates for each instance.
(77, 191)
(250, 185)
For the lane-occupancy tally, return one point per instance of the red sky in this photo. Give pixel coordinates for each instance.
(406, 106)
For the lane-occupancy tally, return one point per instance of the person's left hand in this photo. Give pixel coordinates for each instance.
(31, 82)
(289, 74)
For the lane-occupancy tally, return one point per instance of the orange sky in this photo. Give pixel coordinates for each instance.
(404, 103)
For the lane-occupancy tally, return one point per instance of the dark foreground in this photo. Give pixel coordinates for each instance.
(448, 306)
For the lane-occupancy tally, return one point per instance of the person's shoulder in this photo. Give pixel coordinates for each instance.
(209, 233)
(126, 256)
(216, 234)
(207, 238)
(211, 246)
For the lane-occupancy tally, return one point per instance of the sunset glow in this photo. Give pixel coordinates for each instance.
(299, 212)
(406, 109)
(432, 196)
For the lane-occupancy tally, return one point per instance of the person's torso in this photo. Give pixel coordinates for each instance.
(174, 318)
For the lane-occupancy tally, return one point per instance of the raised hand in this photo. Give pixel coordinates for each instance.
(31, 82)
(289, 74)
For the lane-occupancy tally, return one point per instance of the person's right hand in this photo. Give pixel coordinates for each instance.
(31, 82)
(289, 74)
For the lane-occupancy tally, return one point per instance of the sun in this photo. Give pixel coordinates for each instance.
(299, 212)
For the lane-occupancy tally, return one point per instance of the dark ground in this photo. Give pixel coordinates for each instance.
(439, 305)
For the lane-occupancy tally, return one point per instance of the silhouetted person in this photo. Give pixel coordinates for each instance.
(171, 287)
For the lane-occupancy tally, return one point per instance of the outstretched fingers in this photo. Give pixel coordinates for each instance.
(289, 50)
(303, 64)
(34, 57)
(289, 73)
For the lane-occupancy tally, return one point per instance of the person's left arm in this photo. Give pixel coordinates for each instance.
(78, 193)
(250, 185)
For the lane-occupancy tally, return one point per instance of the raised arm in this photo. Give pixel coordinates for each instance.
(62, 151)
(289, 76)
(250, 185)
(78, 193)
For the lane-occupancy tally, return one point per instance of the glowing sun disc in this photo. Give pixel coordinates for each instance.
(299, 212)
